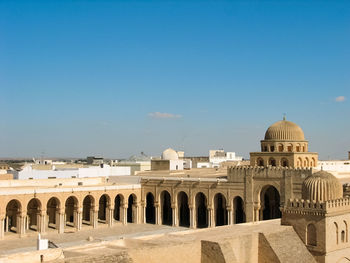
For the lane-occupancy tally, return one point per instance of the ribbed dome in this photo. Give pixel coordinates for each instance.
(322, 186)
(284, 131)
(170, 154)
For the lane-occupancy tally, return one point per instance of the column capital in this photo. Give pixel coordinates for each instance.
(23, 214)
(43, 212)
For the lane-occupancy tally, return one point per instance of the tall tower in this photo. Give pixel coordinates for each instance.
(321, 218)
(284, 145)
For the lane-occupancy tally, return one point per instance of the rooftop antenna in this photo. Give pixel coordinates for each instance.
(284, 116)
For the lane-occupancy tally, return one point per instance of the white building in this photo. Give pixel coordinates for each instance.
(339, 168)
(94, 171)
(216, 157)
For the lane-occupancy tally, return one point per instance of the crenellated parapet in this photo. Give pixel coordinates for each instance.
(338, 205)
(304, 207)
(237, 173)
(307, 207)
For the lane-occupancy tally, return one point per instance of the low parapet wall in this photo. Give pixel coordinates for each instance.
(34, 256)
(295, 206)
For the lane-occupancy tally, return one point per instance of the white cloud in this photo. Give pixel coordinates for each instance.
(163, 115)
(340, 99)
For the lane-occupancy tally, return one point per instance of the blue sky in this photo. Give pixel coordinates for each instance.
(116, 78)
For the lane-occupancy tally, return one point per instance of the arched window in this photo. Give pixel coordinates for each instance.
(298, 147)
(260, 162)
(290, 148)
(280, 148)
(311, 238)
(300, 162)
(336, 233)
(306, 162)
(284, 162)
(346, 231)
(272, 162)
(343, 236)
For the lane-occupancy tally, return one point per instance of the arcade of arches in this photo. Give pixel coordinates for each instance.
(182, 207)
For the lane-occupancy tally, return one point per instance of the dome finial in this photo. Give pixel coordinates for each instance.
(284, 116)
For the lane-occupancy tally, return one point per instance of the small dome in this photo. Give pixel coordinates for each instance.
(322, 186)
(284, 131)
(170, 154)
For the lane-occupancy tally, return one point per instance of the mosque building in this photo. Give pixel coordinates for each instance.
(284, 145)
(280, 182)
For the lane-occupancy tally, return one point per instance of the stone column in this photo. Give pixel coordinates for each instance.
(135, 213)
(143, 214)
(94, 218)
(257, 213)
(60, 221)
(211, 221)
(175, 219)
(158, 216)
(192, 217)
(109, 216)
(21, 227)
(2, 227)
(7, 224)
(230, 220)
(79, 220)
(125, 214)
(42, 222)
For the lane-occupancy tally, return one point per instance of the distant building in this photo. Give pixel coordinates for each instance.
(339, 168)
(216, 157)
(29, 172)
(94, 160)
(169, 161)
(137, 163)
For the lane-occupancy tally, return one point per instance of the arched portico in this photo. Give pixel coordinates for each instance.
(34, 218)
(103, 209)
(132, 209)
(238, 208)
(13, 217)
(184, 211)
(269, 203)
(150, 209)
(165, 203)
(118, 207)
(73, 215)
(220, 211)
(88, 210)
(201, 210)
(53, 213)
